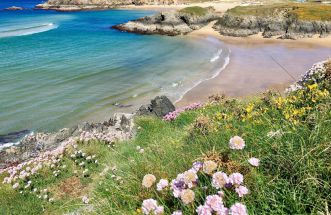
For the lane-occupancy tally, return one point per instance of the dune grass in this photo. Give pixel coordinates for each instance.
(290, 135)
(303, 11)
(194, 11)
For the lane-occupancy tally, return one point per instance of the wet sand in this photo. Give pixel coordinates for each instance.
(258, 64)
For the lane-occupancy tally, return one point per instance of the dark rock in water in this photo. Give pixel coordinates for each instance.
(14, 8)
(13, 137)
(160, 106)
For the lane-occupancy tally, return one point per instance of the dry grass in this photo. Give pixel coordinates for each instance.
(70, 187)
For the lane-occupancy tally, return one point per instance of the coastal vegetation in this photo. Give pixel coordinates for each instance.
(303, 11)
(264, 155)
(194, 11)
(285, 21)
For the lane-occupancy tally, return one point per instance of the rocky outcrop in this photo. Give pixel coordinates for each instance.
(284, 26)
(77, 5)
(160, 106)
(119, 127)
(168, 23)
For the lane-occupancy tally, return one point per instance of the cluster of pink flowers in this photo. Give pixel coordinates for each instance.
(183, 186)
(150, 206)
(105, 136)
(186, 180)
(173, 115)
(21, 176)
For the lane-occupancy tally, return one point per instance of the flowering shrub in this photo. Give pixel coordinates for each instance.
(316, 74)
(23, 176)
(173, 115)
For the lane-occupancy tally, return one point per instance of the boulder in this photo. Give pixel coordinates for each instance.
(160, 106)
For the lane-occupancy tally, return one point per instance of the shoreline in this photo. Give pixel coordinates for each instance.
(255, 80)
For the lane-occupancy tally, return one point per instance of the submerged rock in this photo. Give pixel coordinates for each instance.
(169, 23)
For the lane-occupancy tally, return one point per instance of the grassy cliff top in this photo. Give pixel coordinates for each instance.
(194, 11)
(290, 135)
(304, 11)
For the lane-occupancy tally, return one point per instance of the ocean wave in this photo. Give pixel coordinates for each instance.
(6, 145)
(27, 30)
(216, 56)
(226, 63)
(13, 139)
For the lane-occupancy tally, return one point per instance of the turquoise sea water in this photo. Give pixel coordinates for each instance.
(59, 69)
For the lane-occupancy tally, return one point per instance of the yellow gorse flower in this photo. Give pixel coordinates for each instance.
(312, 86)
(249, 108)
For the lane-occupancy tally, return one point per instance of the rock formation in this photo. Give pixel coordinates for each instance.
(120, 127)
(169, 23)
(160, 106)
(284, 26)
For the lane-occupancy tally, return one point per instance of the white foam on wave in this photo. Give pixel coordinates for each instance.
(216, 56)
(226, 63)
(28, 30)
(6, 145)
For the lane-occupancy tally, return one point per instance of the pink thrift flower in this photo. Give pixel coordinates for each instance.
(214, 202)
(220, 179)
(254, 162)
(238, 209)
(162, 184)
(16, 185)
(236, 179)
(204, 210)
(85, 200)
(177, 213)
(236, 143)
(241, 190)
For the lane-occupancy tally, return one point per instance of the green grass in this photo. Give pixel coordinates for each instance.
(294, 176)
(194, 11)
(303, 11)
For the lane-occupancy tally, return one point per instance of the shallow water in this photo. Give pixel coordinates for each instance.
(59, 69)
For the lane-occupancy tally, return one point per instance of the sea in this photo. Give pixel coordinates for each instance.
(58, 69)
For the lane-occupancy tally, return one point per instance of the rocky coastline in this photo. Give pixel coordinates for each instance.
(170, 23)
(282, 26)
(78, 5)
(120, 127)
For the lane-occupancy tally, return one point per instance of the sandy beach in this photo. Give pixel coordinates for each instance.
(257, 64)
(220, 6)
